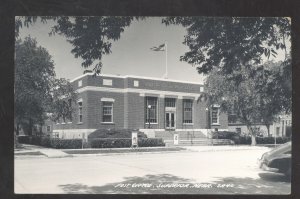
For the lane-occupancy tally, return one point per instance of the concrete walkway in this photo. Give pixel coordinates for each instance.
(48, 152)
(54, 153)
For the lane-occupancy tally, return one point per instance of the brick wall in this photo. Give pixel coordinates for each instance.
(161, 112)
(164, 85)
(136, 111)
(223, 120)
(94, 109)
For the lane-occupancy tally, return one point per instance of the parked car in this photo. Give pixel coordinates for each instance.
(277, 160)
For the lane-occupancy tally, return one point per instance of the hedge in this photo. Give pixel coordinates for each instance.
(261, 140)
(51, 142)
(110, 143)
(114, 133)
(234, 136)
(125, 142)
(150, 142)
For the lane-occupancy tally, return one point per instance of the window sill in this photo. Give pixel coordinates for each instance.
(151, 123)
(70, 122)
(80, 123)
(216, 124)
(188, 123)
(107, 123)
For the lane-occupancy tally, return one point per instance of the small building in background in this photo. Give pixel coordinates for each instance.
(282, 127)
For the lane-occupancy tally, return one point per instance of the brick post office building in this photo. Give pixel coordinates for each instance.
(131, 102)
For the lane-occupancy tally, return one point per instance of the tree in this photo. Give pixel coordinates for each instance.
(34, 72)
(231, 42)
(91, 37)
(232, 51)
(63, 98)
(274, 87)
(37, 91)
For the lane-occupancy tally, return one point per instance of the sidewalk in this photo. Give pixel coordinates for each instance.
(224, 148)
(33, 150)
(37, 151)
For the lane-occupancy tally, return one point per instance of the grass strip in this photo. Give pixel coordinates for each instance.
(97, 151)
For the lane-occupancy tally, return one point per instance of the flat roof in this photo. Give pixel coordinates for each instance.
(137, 77)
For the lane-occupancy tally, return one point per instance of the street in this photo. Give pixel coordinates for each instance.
(187, 172)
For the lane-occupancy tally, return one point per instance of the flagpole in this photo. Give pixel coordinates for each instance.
(166, 60)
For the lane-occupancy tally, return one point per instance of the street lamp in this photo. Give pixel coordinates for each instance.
(149, 107)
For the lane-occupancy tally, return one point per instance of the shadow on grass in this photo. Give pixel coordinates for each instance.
(162, 184)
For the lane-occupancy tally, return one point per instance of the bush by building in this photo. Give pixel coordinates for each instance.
(114, 133)
(125, 142)
(238, 139)
(51, 142)
(150, 142)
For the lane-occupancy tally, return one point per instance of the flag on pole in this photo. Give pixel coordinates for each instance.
(158, 48)
(163, 47)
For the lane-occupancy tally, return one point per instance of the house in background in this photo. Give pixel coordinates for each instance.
(152, 105)
(282, 127)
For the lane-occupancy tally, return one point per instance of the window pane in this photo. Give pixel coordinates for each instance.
(169, 102)
(107, 111)
(187, 111)
(215, 115)
(151, 114)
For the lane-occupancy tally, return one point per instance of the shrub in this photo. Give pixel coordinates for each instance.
(224, 135)
(51, 142)
(66, 143)
(110, 143)
(114, 133)
(46, 142)
(243, 140)
(23, 139)
(125, 142)
(271, 140)
(150, 142)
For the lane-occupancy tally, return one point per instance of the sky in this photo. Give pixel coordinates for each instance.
(131, 54)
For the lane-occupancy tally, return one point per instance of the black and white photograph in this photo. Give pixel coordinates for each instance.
(153, 105)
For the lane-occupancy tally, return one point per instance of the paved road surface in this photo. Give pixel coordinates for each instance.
(206, 172)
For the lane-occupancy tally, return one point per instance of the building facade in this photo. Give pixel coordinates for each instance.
(132, 102)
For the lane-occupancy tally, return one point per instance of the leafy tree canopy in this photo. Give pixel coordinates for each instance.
(63, 98)
(34, 72)
(91, 37)
(231, 42)
(37, 91)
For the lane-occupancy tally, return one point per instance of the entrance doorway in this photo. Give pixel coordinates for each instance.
(170, 120)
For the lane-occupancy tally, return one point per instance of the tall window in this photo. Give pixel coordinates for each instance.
(187, 111)
(80, 112)
(169, 102)
(215, 115)
(107, 112)
(151, 110)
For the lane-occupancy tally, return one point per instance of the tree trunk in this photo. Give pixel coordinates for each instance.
(268, 128)
(253, 140)
(30, 127)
